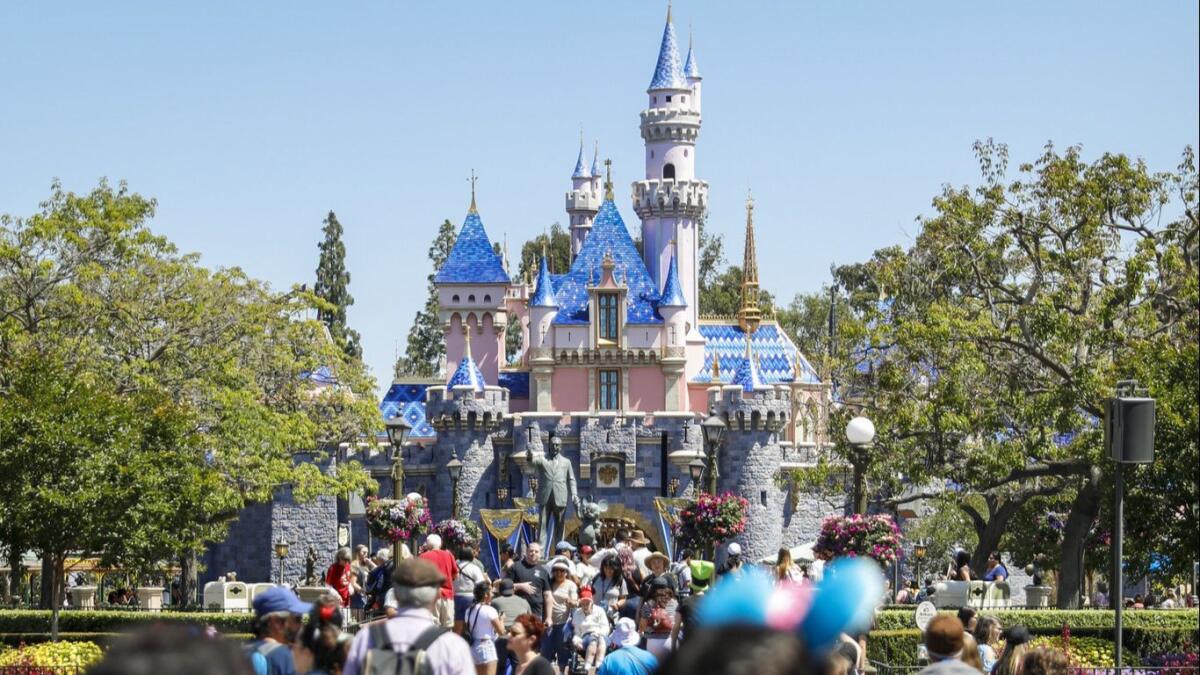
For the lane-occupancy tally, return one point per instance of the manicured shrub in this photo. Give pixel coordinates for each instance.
(103, 621)
(63, 653)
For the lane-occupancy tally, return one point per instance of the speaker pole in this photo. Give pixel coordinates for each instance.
(1118, 555)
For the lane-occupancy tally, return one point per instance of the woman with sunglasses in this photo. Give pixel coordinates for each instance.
(609, 587)
(524, 640)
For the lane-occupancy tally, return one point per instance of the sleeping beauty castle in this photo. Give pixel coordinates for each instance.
(615, 361)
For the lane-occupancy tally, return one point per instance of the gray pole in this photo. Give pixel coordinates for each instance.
(1118, 598)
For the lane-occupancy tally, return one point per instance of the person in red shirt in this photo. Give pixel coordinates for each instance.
(444, 561)
(341, 577)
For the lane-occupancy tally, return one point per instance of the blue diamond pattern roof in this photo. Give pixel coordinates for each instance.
(672, 294)
(581, 170)
(467, 374)
(668, 73)
(777, 356)
(516, 382)
(544, 295)
(691, 68)
(472, 260)
(608, 236)
(748, 375)
(408, 401)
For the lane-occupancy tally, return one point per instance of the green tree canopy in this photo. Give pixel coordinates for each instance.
(333, 286)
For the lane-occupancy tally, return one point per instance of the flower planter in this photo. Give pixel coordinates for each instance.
(150, 598)
(83, 597)
(1038, 596)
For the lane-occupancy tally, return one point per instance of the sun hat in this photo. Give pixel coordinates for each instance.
(734, 549)
(560, 564)
(626, 634)
(639, 537)
(658, 556)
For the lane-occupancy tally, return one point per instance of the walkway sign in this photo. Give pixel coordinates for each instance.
(924, 614)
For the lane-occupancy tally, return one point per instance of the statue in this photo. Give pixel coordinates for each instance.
(589, 521)
(556, 489)
(310, 568)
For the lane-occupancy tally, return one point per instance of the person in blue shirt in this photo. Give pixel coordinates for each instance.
(996, 571)
(277, 621)
(627, 658)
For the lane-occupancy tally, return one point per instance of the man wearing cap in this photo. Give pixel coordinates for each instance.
(733, 560)
(587, 571)
(591, 629)
(444, 562)
(416, 586)
(701, 574)
(277, 621)
(627, 658)
(944, 642)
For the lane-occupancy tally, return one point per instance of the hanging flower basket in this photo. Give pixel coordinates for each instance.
(457, 534)
(710, 520)
(854, 536)
(398, 520)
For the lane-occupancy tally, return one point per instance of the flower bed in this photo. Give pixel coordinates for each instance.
(37, 621)
(50, 654)
(858, 536)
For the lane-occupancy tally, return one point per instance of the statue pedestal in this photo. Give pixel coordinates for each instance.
(1038, 596)
(150, 598)
(83, 597)
(311, 593)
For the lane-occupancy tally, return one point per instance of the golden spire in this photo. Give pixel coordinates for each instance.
(668, 11)
(608, 190)
(716, 367)
(749, 316)
(473, 179)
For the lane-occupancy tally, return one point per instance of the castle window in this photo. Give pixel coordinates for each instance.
(470, 298)
(654, 99)
(685, 152)
(608, 316)
(487, 298)
(668, 171)
(454, 299)
(668, 98)
(683, 99)
(609, 389)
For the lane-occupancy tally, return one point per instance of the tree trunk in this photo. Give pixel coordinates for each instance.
(1084, 511)
(17, 572)
(991, 530)
(187, 579)
(57, 563)
(46, 580)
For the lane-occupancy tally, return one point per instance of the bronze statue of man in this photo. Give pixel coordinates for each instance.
(556, 489)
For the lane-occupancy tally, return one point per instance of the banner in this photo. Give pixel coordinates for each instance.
(668, 514)
(501, 525)
(529, 506)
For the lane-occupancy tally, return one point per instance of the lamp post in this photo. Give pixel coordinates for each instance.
(920, 550)
(397, 432)
(714, 432)
(454, 468)
(673, 486)
(502, 494)
(860, 431)
(281, 551)
(696, 472)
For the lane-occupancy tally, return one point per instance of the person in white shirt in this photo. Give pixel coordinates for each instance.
(639, 542)
(587, 571)
(483, 624)
(591, 630)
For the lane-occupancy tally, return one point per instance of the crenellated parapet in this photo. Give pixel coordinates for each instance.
(670, 124)
(584, 200)
(670, 198)
(767, 410)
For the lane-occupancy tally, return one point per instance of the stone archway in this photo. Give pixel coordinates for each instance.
(619, 516)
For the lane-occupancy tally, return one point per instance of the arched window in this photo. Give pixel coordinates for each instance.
(668, 171)
(470, 298)
(454, 299)
(487, 299)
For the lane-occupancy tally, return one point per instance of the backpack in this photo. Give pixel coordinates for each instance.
(383, 659)
(379, 581)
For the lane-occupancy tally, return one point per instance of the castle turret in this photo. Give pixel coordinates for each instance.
(543, 307)
(672, 306)
(583, 201)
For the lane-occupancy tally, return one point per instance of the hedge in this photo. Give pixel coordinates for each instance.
(1043, 621)
(105, 621)
(102, 639)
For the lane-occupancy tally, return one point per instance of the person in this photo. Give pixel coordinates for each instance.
(444, 562)
(749, 649)
(470, 575)
(531, 581)
(785, 569)
(609, 587)
(563, 550)
(926, 592)
(1045, 661)
(483, 624)
(968, 618)
(416, 588)
(591, 630)
(1016, 643)
(626, 657)
(987, 634)
(701, 574)
(556, 490)
(162, 648)
(631, 572)
(277, 615)
(320, 646)
(557, 647)
(340, 576)
(659, 565)
(733, 561)
(586, 570)
(970, 653)
(944, 642)
(657, 617)
(1170, 601)
(379, 580)
(524, 641)
(1100, 597)
(996, 571)
(1139, 602)
(510, 606)
(508, 555)
(639, 543)
(962, 566)
(683, 573)
(848, 649)
(361, 567)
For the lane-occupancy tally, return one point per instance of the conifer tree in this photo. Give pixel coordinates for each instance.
(426, 343)
(333, 281)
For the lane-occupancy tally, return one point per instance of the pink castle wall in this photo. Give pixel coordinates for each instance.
(569, 389)
(647, 389)
(698, 398)
(486, 348)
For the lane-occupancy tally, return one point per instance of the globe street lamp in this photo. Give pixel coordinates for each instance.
(397, 432)
(454, 467)
(713, 429)
(860, 431)
(281, 551)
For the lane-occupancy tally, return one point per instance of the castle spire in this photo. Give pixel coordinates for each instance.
(668, 71)
(543, 296)
(608, 186)
(473, 179)
(581, 170)
(467, 373)
(749, 316)
(691, 67)
(596, 160)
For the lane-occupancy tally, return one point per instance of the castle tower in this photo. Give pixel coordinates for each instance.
(672, 306)
(691, 70)
(671, 200)
(543, 307)
(749, 316)
(583, 201)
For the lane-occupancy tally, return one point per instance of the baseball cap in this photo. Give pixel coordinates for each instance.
(586, 550)
(506, 586)
(279, 599)
(585, 592)
(417, 572)
(564, 546)
(735, 549)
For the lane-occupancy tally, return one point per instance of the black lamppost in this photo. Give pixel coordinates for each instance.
(920, 550)
(860, 431)
(502, 494)
(696, 472)
(281, 551)
(714, 432)
(397, 432)
(454, 467)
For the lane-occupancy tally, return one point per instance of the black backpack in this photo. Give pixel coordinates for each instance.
(383, 659)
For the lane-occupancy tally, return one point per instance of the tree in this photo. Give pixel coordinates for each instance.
(806, 320)
(426, 344)
(333, 282)
(724, 296)
(711, 257)
(556, 245)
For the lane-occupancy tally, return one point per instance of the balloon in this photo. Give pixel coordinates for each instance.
(737, 600)
(788, 604)
(844, 602)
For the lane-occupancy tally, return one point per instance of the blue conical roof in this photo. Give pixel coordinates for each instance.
(581, 170)
(672, 293)
(668, 72)
(467, 374)
(544, 295)
(748, 374)
(690, 67)
(472, 260)
(596, 162)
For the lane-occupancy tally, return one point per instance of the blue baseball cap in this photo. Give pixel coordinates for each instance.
(564, 546)
(279, 599)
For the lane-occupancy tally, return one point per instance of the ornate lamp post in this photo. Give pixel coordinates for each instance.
(397, 431)
(696, 472)
(860, 431)
(281, 551)
(502, 494)
(920, 550)
(533, 484)
(454, 467)
(714, 432)
(673, 487)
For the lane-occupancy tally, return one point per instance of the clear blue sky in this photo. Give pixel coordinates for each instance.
(248, 121)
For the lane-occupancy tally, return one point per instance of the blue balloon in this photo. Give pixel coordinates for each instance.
(737, 600)
(844, 602)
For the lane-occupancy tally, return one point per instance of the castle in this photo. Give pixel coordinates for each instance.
(615, 360)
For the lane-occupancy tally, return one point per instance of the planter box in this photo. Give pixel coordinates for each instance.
(83, 597)
(150, 598)
(1038, 596)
